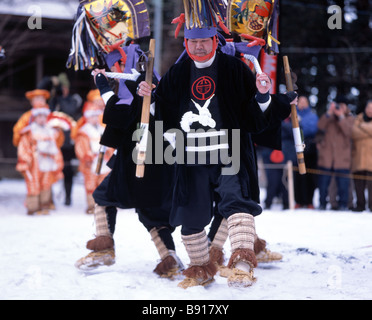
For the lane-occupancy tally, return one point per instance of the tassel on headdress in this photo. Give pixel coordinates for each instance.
(103, 25)
(202, 18)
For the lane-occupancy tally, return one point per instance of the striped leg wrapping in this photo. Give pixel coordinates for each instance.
(242, 261)
(242, 231)
(159, 244)
(201, 269)
(216, 247)
(197, 248)
(221, 235)
(100, 218)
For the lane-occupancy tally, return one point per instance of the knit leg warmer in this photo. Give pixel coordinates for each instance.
(197, 248)
(159, 244)
(216, 248)
(221, 235)
(242, 233)
(103, 238)
(201, 268)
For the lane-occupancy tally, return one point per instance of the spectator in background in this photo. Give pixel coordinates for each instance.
(68, 104)
(334, 151)
(274, 168)
(305, 185)
(362, 157)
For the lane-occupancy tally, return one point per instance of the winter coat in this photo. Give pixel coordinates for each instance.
(308, 122)
(362, 145)
(334, 148)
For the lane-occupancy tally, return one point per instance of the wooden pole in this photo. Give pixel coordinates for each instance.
(145, 116)
(101, 156)
(296, 127)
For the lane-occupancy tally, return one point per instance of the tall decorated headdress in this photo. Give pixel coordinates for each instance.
(103, 26)
(255, 18)
(202, 18)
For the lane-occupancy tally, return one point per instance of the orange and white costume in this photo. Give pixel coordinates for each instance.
(39, 160)
(87, 149)
(94, 97)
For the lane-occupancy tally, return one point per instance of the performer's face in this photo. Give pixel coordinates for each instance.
(38, 101)
(200, 47)
(41, 119)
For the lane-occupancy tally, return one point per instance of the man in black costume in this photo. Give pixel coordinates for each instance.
(217, 103)
(151, 195)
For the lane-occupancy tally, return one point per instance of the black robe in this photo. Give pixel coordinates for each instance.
(236, 91)
(124, 189)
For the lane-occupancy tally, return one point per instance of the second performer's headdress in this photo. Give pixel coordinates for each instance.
(103, 26)
(255, 18)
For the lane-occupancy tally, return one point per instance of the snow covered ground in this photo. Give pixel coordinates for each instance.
(327, 255)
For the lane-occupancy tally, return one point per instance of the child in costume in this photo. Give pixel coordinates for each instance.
(39, 157)
(87, 148)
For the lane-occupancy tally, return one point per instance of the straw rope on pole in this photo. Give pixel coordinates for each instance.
(291, 198)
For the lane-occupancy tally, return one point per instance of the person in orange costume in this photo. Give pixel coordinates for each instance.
(39, 157)
(93, 97)
(87, 149)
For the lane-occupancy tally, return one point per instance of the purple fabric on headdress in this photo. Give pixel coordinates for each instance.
(112, 58)
(133, 52)
(242, 48)
(124, 94)
(229, 48)
(273, 27)
(200, 33)
(140, 19)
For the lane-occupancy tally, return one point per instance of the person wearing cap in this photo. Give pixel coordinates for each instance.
(37, 97)
(87, 148)
(334, 151)
(39, 156)
(200, 96)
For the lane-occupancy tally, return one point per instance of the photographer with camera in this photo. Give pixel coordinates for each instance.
(334, 151)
